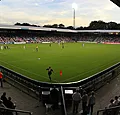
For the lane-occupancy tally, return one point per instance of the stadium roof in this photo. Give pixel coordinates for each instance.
(117, 2)
(100, 31)
(55, 29)
(35, 28)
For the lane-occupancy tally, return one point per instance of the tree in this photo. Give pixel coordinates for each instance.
(17, 23)
(48, 26)
(118, 26)
(25, 24)
(94, 25)
(61, 26)
(80, 28)
(55, 26)
(97, 25)
(112, 25)
(70, 27)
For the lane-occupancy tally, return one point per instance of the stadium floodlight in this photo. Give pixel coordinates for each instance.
(1, 12)
(74, 6)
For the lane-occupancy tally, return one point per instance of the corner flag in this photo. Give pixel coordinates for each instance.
(60, 72)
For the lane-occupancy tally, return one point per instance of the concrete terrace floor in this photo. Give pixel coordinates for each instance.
(22, 100)
(25, 102)
(104, 95)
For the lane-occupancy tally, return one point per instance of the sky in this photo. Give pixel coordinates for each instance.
(44, 12)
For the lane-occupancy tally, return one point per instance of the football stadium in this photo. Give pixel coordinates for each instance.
(75, 57)
(54, 69)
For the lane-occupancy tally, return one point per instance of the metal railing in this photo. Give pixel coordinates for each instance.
(6, 111)
(63, 102)
(93, 82)
(109, 111)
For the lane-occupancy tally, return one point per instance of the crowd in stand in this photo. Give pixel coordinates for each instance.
(34, 39)
(53, 39)
(100, 39)
(87, 38)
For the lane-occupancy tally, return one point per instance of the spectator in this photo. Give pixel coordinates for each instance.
(111, 103)
(112, 111)
(81, 90)
(4, 99)
(54, 96)
(76, 100)
(116, 101)
(10, 104)
(1, 78)
(91, 102)
(84, 102)
(119, 99)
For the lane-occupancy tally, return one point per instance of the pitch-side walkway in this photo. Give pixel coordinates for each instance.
(22, 100)
(104, 94)
(25, 102)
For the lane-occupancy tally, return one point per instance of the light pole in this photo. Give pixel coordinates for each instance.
(74, 6)
(1, 12)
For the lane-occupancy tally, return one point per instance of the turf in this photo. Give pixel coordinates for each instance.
(75, 61)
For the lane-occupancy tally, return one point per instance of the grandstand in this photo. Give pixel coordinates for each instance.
(25, 34)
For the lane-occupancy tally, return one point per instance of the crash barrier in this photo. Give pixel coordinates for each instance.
(34, 87)
(93, 82)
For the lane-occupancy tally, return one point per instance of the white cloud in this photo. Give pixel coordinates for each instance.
(57, 11)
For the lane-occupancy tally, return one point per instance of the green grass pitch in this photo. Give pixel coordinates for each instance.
(75, 61)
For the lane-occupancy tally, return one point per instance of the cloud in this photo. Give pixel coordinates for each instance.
(57, 11)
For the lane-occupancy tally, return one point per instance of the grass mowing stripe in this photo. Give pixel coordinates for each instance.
(24, 60)
(29, 71)
(73, 60)
(23, 69)
(87, 72)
